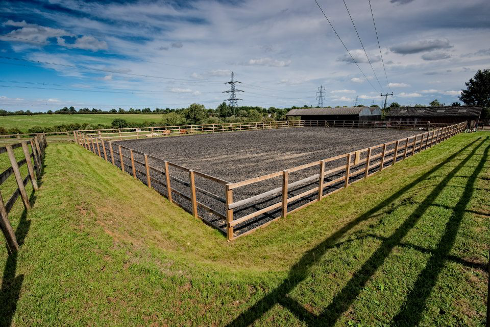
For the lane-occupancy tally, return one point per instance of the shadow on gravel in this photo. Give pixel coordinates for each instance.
(411, 311)
(12, 284)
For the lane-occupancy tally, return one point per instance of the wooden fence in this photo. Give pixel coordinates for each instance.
(299, 186)
(33, 154)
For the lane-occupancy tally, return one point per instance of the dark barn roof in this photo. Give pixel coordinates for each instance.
(435, 112)
(354, 111)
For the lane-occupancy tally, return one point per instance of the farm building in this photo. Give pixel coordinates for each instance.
(441, 115)
(344, 113)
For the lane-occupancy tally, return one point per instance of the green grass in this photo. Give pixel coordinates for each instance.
(25, 122)
(406, 247)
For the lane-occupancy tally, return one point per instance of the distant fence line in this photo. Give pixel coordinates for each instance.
(333, 174)
(33, 153)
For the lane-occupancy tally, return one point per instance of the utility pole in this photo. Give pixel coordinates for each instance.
(355, 103)
(233, 99)
(386, 98)
(320, 96)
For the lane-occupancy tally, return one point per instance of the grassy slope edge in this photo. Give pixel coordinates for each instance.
(407, 246)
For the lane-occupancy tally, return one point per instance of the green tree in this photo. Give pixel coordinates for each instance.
(119, 123)
(435, 103)
(224, 110)
(395, 105)
(172, 119)
(477, 91)
(195, 113)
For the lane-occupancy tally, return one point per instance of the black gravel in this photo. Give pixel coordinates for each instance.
(236, 156)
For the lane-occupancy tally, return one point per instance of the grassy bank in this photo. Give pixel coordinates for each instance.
(409, 245)
(24, 122)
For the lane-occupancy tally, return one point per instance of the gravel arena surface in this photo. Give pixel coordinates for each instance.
(237, 156)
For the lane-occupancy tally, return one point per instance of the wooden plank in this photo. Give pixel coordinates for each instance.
(8, 232)
(285, 179)
(167, 177)
(383, 157)
(413, 144)
(301, 195)
(255, 214)
(255, 180)
(18, 177)
(193, 193)
(121, 158)
(357, 157)
(36, 157)
(347, 170)
(147, 166)
(322, 178)
(308, 165)
(229, 212)
(98, 148)
(133, 168)
(334, 170)
(366, 171)
(211, 210)
(214, 179)
(30, 169)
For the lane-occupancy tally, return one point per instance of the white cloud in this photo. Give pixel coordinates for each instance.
(31, 33)
(359, 56)
(369, 97)
(54, 100)
(453, 93)
(84, 42)
(269, 62)
(343, 91)
(409, 95)
(107, 77)
(435, 56)
(421, 46)
(398, 85)
(179, 90)
(357, 80)
(220, 72)
(431, 91)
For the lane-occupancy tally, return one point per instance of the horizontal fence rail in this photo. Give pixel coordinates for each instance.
(33, 151)
(297, 187)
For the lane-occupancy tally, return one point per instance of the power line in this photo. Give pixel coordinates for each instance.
(362, 44)
(379, 46)
(345, 47)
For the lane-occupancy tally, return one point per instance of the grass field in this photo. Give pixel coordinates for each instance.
(406, 247)
(25, 122)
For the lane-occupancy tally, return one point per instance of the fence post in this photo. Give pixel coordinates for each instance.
(38, 149)
(347, 170)
(75, 139)
(112, 152)
(36, 156)
(368, 158)
(18, 177)
(406, 148)
(103, 149)
(322, 176)
(229, 212)
(167, 177)
(133, 168)
(121, 158)
(193, 193)
(395, 155)
(98, 147)
(29, 165)
(147, 166)
(93, 146)
(120, 135)
(383, 157)
(8, 232)
(285, 178)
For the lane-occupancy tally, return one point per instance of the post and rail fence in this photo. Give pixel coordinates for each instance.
(33, 151)
(329, 176)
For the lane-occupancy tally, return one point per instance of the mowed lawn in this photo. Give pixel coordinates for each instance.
(24, 122)
(408, 246)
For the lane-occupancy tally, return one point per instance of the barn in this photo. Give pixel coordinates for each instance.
(344, 113)
(439, 115)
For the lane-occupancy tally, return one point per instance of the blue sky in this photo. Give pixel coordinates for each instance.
(111, 54)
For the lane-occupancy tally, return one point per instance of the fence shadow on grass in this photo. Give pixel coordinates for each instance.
(12, 284)
(345, 297)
